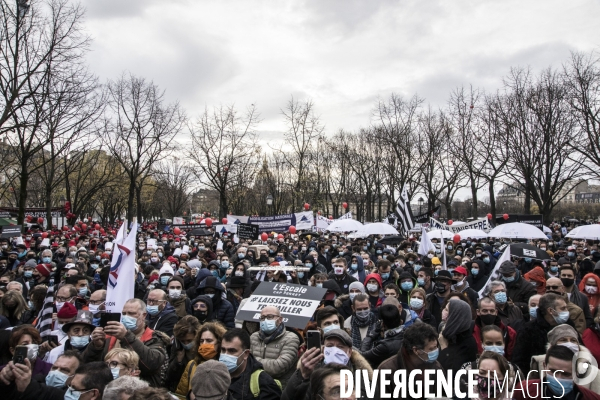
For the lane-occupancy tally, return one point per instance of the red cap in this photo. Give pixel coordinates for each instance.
(105, 255)
(44, 269)
(460, 270)
(275, 264)
(68, 310)
(72, 243)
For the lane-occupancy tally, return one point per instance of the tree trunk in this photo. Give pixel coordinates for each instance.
(49, 207)
(527, 204)
(138, 194)
(492, 199)
(130, 200)
(22, 195)
(474, 198)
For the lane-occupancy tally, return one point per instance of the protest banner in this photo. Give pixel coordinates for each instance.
(424, 218)
(237, 219)
(495, 274)
(178, 220)
(247, 231)
(228, 228)
(481, 224)
(536, 220)
(296, 303)
(34, 212)
(11, 231)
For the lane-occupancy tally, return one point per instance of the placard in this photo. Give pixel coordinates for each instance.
(11, 231)
(296, 303)
(247, 231)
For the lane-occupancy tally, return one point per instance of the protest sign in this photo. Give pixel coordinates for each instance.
(223, 229)
(11, 231)
(296, 303)
(536, 220)
(481, 224)
(247, 231)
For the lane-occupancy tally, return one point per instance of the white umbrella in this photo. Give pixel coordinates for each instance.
(473, 234)
(344, 225)
(546, 229)
(458, 223)
(377, 228)
(517, 230)
(588, 232)
(438, 233)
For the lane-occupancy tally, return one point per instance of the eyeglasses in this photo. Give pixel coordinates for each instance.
(97, 302)
(270, 317)
(553, 287)
(77, 393)
(63, 299)
(114, 364)
(154, 302)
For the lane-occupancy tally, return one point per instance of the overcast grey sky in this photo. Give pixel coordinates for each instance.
(341, 54)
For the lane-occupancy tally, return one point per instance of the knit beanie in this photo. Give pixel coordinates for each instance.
(44, 269)
(357, 285)
(211, 380)
(68, 310)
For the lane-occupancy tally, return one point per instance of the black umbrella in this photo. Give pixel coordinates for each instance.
(391, 240)
(523, 250)
(200, 232)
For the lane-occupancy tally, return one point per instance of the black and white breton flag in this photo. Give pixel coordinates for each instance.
(404, 212)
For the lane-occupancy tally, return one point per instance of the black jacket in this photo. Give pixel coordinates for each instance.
(376, 350)
(34, 390)
(434, 307)
(429, 319)
(164, 321)
(240, 386)
(343, 283)
(519, 291)
(460, 350)
(581, 301)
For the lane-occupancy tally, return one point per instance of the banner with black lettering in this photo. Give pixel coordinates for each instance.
(536, 220)
(424, 218)
(296, 303)
(481, 224)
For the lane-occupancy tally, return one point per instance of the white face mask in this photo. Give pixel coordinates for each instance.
(591, 289)
(335, 355)
(371, 287)
(338, 270)
(571, 346)
(174, 293)
(239, 273)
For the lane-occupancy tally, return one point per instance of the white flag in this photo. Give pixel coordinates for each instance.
(426, 244)
(495, 275)
(121, 279)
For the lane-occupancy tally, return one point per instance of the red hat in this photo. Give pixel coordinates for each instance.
(72, 243)
(460, 270)
(44, 269)
(275, 264)
(105, 255)
(172, 259)
(68, 310)
(54, 244)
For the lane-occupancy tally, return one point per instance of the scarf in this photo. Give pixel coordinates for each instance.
(459, 319)
(269, 338)
(357, 324)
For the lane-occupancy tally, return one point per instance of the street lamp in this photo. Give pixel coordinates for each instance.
(269, 201)
(420, 204)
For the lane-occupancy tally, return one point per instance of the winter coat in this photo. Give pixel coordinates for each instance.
(511, 315)
(581, 301)
(240, 386)
(344, 282)
(591, 340)
(429, 319)
(376, 349)
(299, 389)
(164, 321)
(222, 309)
(531, 341)
(461, 349)
(519, 291)
(577, 316)
(372, 303)
(34, 390)
(435, 307)
(151, 347)
(279, 356)
(508, 334)
(175, 370)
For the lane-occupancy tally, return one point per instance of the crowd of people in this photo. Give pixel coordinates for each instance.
(385, 308)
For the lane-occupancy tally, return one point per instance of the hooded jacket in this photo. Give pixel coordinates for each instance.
(377, 277)
(537, 277)
(164, 321)
(316, 267)
(358, 274)
(222, 309)
(593, 299)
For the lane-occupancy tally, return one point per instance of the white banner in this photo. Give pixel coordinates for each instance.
(236, 219)
(426, 244)
(481, 223)
(178, 220)
(323, 223)
(304, 220)
(348, 215)
(121, 279)
(229, 228)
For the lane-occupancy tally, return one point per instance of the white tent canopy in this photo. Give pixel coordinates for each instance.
(377, 228)
(344, 225)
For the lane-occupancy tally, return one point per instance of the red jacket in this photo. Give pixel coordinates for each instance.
(591, 340)
(532, 391)
(509, 343)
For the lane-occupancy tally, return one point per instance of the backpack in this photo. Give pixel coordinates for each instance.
(254, 385)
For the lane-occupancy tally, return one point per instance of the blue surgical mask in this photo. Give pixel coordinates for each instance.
(71, 394)
(152, 310)
(527, 260)
(47, 260)
(268, 326)
(215, 273)
(451, 270)
(300, 275)
(241, 255)
(229, 361)
(418, 267)
(562, 317)
(554, 268)
(130, 323)
(181, 271)
(56, 379)
(421, 281)
(406, 285)
(571, 254)
(28, 274)
(533, 312)
(416, 304)
(225, 264)
(500, 297)
(475, 271)
(188, 346)
(495, 349)
(379, 251)
(330, 328)
(79, 342)
(432, 356)
(354, 266)
(308, 265)
(83, 291)
(115, 372)
(385, 276)
(164, 280)
(486, 260)
(352, 296)
(508, 279)
(459, 252)
(23, 254)
(94, 266)
(365, 248)
(559, 387)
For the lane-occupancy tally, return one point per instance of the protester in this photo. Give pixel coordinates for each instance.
(211, 381)
(123, 388)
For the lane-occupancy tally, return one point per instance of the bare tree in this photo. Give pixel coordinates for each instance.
(224, 149)
(174, 180)
(139, 131)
